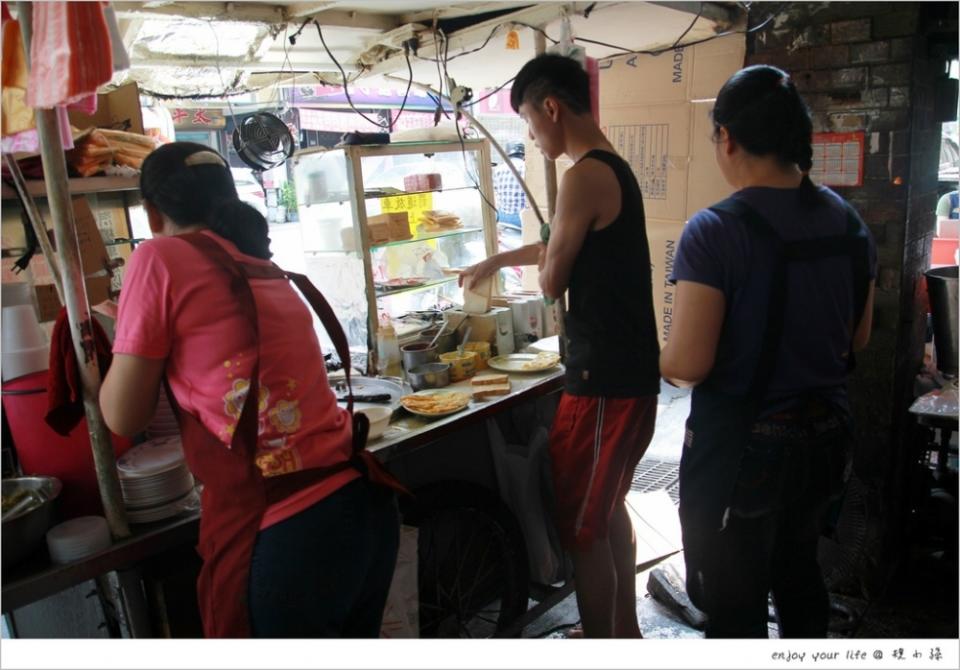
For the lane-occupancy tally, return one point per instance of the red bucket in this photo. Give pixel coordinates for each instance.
(42, 451)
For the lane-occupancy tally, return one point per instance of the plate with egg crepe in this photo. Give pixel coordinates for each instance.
(435, 220)
(545, 360)
(432, 403)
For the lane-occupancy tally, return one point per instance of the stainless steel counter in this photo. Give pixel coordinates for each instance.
(37, 578)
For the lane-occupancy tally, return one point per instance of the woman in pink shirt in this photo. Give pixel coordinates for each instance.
(295, 541)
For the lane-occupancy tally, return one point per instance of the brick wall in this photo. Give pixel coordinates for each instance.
(867, 66)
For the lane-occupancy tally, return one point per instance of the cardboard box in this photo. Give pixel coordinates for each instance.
(119, 109)
(397, 223)
(48, 304)
(655, 110)
(378, 233)
(94, 260)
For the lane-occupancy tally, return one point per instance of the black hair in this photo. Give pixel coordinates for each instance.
(552, 75)
(200, 190)
(763, 112)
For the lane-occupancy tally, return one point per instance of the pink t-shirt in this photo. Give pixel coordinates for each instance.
(176, 304)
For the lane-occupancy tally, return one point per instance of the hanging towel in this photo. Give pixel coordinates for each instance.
(18, 122)
(64, 387)
(69, 52)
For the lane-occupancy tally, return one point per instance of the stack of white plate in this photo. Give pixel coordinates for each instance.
(78, 538)
(164, 423)
(155, 481)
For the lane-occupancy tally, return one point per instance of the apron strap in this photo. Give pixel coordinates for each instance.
(853, 244)
(240, 273)
(240, 287)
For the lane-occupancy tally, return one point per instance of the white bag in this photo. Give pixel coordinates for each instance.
(523, 473)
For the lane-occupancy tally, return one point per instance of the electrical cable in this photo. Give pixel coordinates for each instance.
(491, 93)
(463, 146)
(343, 74)
(406, 94)
(690, 27)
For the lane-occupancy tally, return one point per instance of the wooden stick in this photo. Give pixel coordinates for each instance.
(36, 222)
(75, 294)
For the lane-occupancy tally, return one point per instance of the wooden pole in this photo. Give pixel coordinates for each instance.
(75, 298)
(36, 222)
(550, 179)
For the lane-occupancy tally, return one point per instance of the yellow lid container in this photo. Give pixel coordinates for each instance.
(461, 366)
(483, 352)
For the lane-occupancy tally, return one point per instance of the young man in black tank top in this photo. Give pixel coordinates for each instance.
(597, 251)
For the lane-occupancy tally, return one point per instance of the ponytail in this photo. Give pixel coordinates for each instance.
(238, 222)
(192, 185)
(762, 110)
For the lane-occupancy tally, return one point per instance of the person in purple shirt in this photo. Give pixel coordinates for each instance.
(774, 294)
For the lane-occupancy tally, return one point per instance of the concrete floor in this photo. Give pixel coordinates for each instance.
(920, 602)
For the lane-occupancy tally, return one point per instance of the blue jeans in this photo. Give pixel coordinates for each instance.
(325, 572)
(790, 474)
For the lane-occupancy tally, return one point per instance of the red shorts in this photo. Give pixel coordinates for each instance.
(595, 445)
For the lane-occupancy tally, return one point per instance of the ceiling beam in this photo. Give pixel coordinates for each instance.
(467, 38)
(337, 18)
(255, 12)
(724, 16)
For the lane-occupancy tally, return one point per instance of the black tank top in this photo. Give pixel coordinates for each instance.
(612, 347)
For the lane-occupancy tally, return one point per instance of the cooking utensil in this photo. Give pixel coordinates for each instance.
(466, 338)
(436, 337)
(429, 376)
(376, 397)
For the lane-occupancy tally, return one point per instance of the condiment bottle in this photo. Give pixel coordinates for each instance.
(388, 350)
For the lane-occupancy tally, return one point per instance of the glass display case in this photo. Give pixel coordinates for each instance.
(386, 229)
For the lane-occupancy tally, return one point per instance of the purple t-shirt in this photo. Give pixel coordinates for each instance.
(717, 250)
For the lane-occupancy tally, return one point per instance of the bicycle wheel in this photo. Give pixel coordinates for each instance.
(472, 567)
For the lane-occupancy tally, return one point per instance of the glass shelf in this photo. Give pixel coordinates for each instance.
(420, 237)
(422, 287)
(343, 197)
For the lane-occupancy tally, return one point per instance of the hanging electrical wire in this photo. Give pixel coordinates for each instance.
(346, 88)
(463, 144)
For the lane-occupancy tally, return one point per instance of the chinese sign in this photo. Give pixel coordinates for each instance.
(838, 159)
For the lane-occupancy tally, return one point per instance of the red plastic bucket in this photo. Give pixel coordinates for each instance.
(42, 451)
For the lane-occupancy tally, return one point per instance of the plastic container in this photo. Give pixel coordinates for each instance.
(462, 366)
(388, 351)
(482, 350)
(42, 451)
(942, 288)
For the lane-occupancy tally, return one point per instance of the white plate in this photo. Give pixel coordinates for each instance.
(151, 458)
(189, 501)
(515, 363)
(429, 392)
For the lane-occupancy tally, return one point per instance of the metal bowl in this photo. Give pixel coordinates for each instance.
(23, 532)
(429, 376)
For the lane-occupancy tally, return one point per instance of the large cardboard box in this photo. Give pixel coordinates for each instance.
(655, 110)
(119, 109)
(94, 259)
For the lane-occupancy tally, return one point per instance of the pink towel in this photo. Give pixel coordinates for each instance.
(70, 53)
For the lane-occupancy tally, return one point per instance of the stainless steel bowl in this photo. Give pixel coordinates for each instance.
(418, 353)
(429, 376)
(23, 532)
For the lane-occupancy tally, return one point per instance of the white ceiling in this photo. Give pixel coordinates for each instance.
(191, 48)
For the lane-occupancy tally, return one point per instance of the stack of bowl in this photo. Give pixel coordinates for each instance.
(78, 538)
